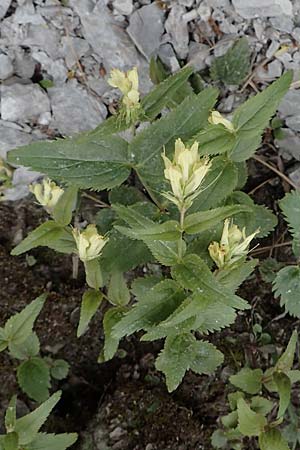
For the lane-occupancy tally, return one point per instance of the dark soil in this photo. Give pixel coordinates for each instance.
(136, 409)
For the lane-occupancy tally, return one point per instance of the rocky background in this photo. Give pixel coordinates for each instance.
(55, 56)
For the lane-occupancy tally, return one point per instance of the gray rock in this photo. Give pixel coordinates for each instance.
(11, 136)
(4, 5)
(23, 103)
(74, 110)
(123, 7)
(6, 67)
(146, 28)
(56, 70)
(282, 23)
(289, 146)
(22, 177)
(198, 54)
(41, 37)
(27, 14)
(294, 175)
(168, 57)
(73, 48)
(263, 8)
(24, 64)
(290, 109)
(177, 30)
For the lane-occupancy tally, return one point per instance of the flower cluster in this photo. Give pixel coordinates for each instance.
(186, 173)
(47, 193)
(233, 246)
(89, 243)
(128, 83)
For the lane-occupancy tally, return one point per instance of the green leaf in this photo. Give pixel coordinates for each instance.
(19, 327)
(125, 195)
(204, 220)
(111, 319)
(28, 426)
(284, 386)
(250, 422)
(62, 212)
(287, 286)
(285, 362)
(253, 116)
(233, 398)
(118, 292)
(184, 121)
(261, 405)
(290, 206)
(34, 378)
(85, 161)
(184, 352)
(45, 441)
(26, 349)
(249, 380)
(164, 93)
(272, 440)
(10, 415)
(230, 420)
(93, 273)
(234, 65)
(219, 439)
(167, 231)
(214, 140)
(49, 234)
(218, 184)
(268, 269)
(11, 441)
(91, 300)
(152, 308)
(233, 276)
(59, 369)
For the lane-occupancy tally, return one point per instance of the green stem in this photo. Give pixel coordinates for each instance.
(181, 241)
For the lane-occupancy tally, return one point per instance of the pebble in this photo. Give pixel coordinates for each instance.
(6, 67)
(294, 175)
(289, 145)
(146, 26)
(11, 136)
(263, 8)
(177, 30)
(289, 109)
(4, 5)
(23, 103)
(123, 7)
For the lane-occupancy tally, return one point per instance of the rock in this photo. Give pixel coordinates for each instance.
(74, 110)
(23, 103)
(22, 177)
(26, 13)
(24, 64)
(56, 70)
(263, 8)
(11, 136)
(4, 5)
(289, 145)
(289, 109)
(197, 55)
(117, 433)
(146, 28)
(73, 48)
(167, 55)
(177, 30)
(6, 67)
(124, 7)
(41, 37)
(282, 23)
(294, 174)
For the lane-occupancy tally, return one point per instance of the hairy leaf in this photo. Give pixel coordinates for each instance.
(167, 231)
(111, 319)
(287, 286)
(249, 380)
(271, 440)
(284, 387)
(214, 140)
(250, 422)
(34, 378)
(45, 441)
(63, 209)
(59, 369)
(290, 206)
(233, 276)
(91, 300)
(285, 362)
(26, 349)
(184, 352)
(118, 292)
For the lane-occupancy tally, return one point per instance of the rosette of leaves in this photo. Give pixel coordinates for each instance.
(254, 410)
(142, 227)
(34, 372)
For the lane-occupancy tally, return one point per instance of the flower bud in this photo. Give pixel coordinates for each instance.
(185, 173)
(89, 243)
(47, 193)
(128, 83)
(216, 118)
(233, 246)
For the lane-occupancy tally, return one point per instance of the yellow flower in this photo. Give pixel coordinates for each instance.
(216, 118)
(128, 83)
(233, 246)
(185, 173)
(89, 243)
(47, 193)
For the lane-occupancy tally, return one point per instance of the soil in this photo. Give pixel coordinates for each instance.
(136, 412)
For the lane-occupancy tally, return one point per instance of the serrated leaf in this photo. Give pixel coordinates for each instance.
(233, 276)
(125, 195)
(165, 93)
(217, 185)
(28, 426)
(62, 212)
(184, 352)
(290, 206)
(250, 422)
(268, 269)
(286, 286)
(111, 318)
(233, 398)
(59, 369)
(19, 327)
(45, 441)
(34, 378)
(49, 234)
(204, 220)
(85, 161)
(261, 405)
(91, 300)
(271, 440)
(253, 116)
(155, 306)
(184, 122)
(214, 140)
(285, 362)
(10, 441)
(234, 65)
(118, 292)
(140, 286)
(26, 349)
(283, 384)
(249, 380)
(167, 231)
